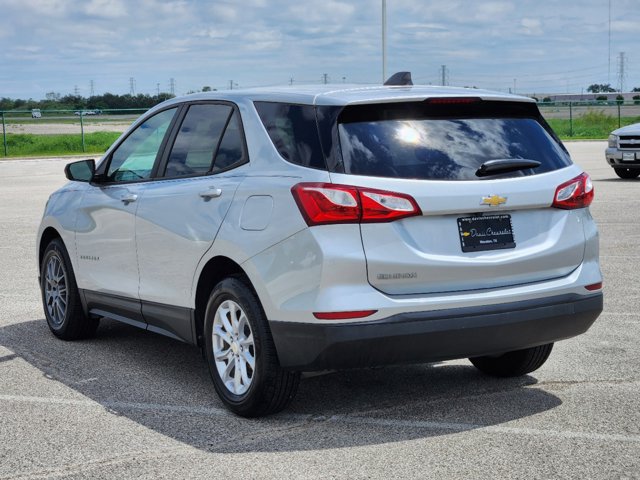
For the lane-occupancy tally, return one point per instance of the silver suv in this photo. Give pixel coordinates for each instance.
(304, 229)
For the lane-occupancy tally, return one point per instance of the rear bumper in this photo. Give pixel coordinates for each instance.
(434, 335)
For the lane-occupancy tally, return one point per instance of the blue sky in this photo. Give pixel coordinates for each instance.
(534, 46)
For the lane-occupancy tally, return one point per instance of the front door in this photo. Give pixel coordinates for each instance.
(105, 230)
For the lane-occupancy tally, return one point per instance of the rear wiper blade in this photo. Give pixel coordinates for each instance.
(505, 165)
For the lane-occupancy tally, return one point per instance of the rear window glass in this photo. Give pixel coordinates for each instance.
(441, 147)
(293, 131)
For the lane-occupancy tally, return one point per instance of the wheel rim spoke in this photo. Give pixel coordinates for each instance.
(222, 334)
(233, 347)
(248, 359)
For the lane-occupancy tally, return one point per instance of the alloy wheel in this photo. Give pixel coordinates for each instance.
(233, 347)
(56, 292)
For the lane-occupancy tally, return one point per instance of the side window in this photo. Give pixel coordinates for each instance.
(196, 142)
(135, 156)
(231, 149)
(293, 131)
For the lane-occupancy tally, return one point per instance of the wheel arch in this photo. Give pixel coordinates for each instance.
(49, 234)
(215, 270)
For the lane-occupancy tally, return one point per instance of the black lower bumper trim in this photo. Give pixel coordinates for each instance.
(431, 336)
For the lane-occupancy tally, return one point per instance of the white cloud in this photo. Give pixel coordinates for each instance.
(105, 8)
(531, 26)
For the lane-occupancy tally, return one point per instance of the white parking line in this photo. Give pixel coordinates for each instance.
(339, 419)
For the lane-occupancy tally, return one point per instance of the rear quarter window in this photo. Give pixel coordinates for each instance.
(293, 131)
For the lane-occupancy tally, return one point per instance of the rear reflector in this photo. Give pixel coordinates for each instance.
(594, 286)
(576, 193)
(326, 203)
(343, 315)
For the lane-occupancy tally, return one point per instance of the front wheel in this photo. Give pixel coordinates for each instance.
(60, 296)
(627, 173)
(240, 353)
(513, 364)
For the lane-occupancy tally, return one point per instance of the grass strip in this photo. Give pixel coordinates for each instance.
(29, 145)
(590, 126)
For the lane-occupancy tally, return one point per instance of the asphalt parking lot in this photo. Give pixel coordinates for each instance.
(131, 404)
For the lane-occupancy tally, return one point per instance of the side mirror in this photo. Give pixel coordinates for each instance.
(81, 171)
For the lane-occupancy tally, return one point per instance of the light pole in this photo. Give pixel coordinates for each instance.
(384, 41)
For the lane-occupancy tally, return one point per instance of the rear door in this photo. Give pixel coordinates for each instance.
(181, 212)
(475, 231)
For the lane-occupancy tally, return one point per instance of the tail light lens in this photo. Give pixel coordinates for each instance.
(326, 203)
(576, 193)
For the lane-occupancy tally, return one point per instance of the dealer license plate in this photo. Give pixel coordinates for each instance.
(628, 156)
(486, 232)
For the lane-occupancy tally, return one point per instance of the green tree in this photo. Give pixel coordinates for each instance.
(601, 88)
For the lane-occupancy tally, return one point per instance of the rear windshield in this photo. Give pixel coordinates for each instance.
(413, 140)
(442, 147)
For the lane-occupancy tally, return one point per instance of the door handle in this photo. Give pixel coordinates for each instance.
(212, 192)
(128, 198)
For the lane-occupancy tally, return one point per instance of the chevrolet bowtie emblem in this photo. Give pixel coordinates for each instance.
(493, 200)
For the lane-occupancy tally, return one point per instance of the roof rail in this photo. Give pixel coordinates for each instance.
(399, 78)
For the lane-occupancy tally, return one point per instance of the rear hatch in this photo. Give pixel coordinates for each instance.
(476, 228)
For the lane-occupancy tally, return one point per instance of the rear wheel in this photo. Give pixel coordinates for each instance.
(241, 355)
(60, 296)
(513, 364)
(627, 172)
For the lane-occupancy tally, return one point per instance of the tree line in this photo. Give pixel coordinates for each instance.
(108, 101)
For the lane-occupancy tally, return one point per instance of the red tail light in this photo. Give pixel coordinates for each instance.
(325, 203)
(576, 193)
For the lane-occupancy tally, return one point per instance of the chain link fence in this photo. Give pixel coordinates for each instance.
(43, 132)
(59, 132)
(589, 119)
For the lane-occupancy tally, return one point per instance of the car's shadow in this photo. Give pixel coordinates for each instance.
(618, 180)
(164, 385)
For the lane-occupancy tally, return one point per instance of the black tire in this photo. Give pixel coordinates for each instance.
(72, 324)
(271, 388)
(627, 173)
(513, 364)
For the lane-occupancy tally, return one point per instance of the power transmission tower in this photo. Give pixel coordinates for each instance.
(325, 78)
(444, 74)
(132, 86)
(172, 86)
(76, 91)
(291, 81)
(621, 70)
(91, 89)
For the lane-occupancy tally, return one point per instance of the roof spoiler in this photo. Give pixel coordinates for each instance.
(399, 78)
